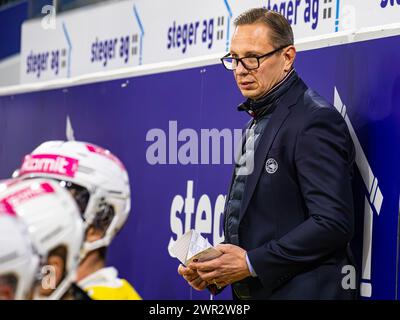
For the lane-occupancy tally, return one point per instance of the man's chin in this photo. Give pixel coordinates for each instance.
(250, 94)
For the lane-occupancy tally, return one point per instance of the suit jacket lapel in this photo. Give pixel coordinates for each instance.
(275, 123)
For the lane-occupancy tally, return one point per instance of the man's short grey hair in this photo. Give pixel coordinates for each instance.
(281, 32)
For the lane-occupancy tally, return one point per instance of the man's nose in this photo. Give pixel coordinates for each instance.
(240, 69)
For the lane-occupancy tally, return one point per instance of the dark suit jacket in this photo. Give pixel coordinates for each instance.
(296, 223)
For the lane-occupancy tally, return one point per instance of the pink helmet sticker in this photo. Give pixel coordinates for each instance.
(49, 163)
(10, 202)
(106, 153)
(6, 208)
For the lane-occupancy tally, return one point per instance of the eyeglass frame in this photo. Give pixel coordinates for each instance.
(269, 54)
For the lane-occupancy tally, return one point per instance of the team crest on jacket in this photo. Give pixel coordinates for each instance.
(271, 166)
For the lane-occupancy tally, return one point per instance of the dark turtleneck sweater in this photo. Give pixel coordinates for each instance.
(261, 110)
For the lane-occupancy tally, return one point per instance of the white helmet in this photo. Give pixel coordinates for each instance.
(18, 261)
(97, 179)
(53, 221)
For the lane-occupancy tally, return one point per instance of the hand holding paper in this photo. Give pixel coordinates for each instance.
(192, 245)
(192, 277)
(228, 268)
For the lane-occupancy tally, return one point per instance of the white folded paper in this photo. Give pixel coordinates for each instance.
(192, 245)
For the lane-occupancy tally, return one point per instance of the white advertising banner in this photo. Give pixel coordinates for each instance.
(134, 32)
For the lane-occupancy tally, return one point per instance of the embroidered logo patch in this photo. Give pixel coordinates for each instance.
(271, 166)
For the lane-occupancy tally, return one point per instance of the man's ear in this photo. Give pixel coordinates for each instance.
(289, 55)
(58, 264)
(93, 234)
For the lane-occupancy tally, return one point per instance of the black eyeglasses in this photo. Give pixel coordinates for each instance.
(249, 63)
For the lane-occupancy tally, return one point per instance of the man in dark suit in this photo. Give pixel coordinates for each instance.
(289, 219)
